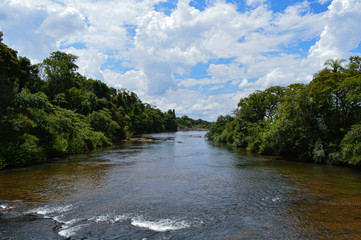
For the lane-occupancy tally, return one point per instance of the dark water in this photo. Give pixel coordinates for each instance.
(182, 187)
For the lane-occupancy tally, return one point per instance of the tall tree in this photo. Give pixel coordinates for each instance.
(9, 74)
(29, 77)
(58, 71)
(335, 65)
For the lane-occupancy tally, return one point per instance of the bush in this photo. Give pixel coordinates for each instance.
(351, 146)
(102, 121)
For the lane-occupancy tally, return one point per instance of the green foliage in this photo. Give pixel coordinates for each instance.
(49, 110)
(58, 71)
(217, 128)
(335, 65)
(170, 123)
(29, 77)
(317, 122)
(102, 121)
(186, 122)
(9, 76)
(351, 146)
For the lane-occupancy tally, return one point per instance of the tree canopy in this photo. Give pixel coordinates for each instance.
(49, 110)
(317, 122)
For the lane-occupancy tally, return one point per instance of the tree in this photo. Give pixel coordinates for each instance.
(29, 77)
(9, 75)
(170, 121)
(218, 127)
(351, 146)
(335, 65)
(355, 63)
(102, 121)
(58, 71)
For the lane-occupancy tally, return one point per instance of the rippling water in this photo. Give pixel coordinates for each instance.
(182, 187)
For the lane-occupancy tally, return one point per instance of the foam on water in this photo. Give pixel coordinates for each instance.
(273, 199)
(119, 218)
(160, 225)
(58, 213)
(70, 231)
(51, 210)
(69, 228)
(109, 218)
(103, 218)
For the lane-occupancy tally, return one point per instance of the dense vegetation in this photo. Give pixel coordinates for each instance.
(187, 123)
(319, 122)
(49, 110)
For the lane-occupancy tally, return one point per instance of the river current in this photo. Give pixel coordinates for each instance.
(179, 186)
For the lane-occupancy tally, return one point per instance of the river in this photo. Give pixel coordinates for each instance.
(179, 187)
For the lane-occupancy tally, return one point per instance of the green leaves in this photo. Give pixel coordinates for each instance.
(351, 146)
(58, 71)
(319, 121)
(49, 109)
(9, 76)
(102, 121)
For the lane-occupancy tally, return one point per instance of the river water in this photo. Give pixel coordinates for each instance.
(179, 187)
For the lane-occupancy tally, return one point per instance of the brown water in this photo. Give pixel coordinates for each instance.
(182, 187)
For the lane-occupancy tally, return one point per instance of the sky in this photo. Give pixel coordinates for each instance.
(197, 57)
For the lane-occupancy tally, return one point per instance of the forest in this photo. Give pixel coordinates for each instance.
(49, 110)
(187, 123)
(318, 122)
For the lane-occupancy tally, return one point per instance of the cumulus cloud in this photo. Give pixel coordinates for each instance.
(242, 50)
(340, 35)
(197, 105)
(89, 61)
(133, 80)
(255, 2)
(64, 24)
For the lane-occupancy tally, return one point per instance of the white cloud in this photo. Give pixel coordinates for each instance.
(89, 61)
(64, 24)
(324, 1)
(341, 33)
(132, 80)
(243, 84)
(262, 47)
(197, 105)
(255, 2)
(225, 72)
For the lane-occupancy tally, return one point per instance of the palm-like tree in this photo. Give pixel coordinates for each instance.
(334, 65)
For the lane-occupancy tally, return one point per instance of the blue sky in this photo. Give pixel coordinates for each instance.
(197, 57)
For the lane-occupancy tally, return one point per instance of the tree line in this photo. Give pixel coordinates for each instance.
(187, 123)
(49, 110)
(319, 121)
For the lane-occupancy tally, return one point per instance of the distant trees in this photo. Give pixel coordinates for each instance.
(49, 110)
(186, 122)
(318, 122)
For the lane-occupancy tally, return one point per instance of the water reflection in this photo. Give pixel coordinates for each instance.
(64, 177)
